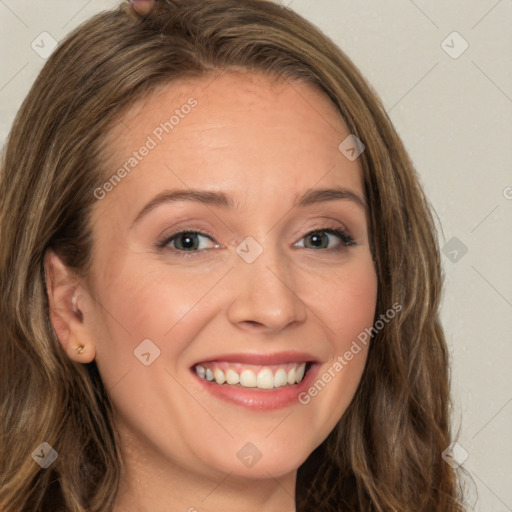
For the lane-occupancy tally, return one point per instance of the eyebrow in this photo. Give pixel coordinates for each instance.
(221, 200)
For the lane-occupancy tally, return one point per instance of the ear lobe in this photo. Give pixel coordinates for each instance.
(64, 296)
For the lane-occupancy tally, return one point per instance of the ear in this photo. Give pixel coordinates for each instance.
(66, 298)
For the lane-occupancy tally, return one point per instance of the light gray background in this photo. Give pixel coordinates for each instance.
(455, 117)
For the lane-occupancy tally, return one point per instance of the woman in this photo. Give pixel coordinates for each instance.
(175, 335)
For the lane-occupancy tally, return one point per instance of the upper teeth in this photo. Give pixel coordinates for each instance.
(249, 376)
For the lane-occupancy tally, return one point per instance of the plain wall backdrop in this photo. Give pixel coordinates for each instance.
(444, 73)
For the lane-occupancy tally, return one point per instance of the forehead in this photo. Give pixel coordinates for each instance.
(244, 130)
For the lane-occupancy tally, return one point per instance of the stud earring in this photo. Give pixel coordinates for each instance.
(79, 348)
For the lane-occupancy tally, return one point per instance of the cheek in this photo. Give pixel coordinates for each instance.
(345, 300)
(149, 299)
(142, 300)
(346, 305)
(138, 302)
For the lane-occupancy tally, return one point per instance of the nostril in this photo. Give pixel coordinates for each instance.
(252, 323)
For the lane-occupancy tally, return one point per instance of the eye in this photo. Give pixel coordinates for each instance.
(186, 241)
(319, 237)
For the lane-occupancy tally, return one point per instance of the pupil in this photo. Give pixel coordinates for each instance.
(316, 238)
(189, 244)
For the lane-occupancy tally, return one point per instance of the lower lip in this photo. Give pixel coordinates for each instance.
(260, 399)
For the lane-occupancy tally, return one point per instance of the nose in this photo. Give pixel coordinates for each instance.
(265, 294)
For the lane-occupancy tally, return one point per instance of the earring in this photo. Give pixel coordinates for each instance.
(79, 348)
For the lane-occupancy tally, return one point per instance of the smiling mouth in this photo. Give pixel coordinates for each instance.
(252, 376)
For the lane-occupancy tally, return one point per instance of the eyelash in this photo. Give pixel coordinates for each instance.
(346, 239)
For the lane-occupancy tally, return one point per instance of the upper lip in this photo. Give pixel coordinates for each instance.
(263, 359)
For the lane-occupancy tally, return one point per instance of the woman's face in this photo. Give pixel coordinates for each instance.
(260, 289)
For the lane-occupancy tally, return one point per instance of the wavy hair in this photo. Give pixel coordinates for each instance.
(385, 454)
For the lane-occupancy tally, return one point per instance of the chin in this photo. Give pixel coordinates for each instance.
(260, 460)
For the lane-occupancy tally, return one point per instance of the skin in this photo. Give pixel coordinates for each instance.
(146, 7)
(261, 142)
(143, 7)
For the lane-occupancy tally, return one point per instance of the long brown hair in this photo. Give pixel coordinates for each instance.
(385, 453)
